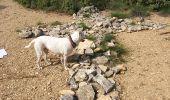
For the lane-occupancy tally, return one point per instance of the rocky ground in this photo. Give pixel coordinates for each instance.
(147, 76)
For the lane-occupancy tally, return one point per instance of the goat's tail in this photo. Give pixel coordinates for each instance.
(30, 44)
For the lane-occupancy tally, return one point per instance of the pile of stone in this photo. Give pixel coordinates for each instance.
(97, 21)
(92, 77)
(94, 82)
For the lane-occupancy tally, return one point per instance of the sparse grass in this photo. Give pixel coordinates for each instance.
(120, 49)
(119, 14)
(118, 5)
(56, 23)
(91, 37)
(139, 11)
(108, 37)
(83, 25)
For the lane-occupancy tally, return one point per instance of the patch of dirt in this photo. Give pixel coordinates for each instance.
(19, 80)
(148, 63)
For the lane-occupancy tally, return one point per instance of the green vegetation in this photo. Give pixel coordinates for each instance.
(136, 7)
(120, 49)
(116, 51)
(119, 14)
(68, 6)
(91, 37)
(83, 25)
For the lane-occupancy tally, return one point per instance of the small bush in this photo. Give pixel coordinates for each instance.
(108, 37)
(119, 14)
(120, 49)
(140, 11)
(55, 23)
(83, 25)
(165, 10)
(118, 5)
(68, 6)
(91, 37)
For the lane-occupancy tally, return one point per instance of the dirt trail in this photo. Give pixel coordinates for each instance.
(148, 75)
(18, 78)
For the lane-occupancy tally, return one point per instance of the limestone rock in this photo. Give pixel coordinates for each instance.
(25, 34)
(38, 32)
(101, 60)
(86, 92)
(81, 75)
(64, 92)
(103, 68)
(106, 84)
(68, 97)
(104, 97)
(108, 73)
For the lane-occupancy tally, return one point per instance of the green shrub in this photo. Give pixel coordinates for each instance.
(120, 49)
(118, 5)
(108, 37)
(165, 10)
(83, 25)
(91, 37)
(68, 6)
(139, 10)
(119, 14)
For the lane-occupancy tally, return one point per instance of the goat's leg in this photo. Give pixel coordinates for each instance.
(39, 55)
(65, 62)
(45, 57)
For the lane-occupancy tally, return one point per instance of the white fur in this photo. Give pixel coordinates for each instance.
(60, 46)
